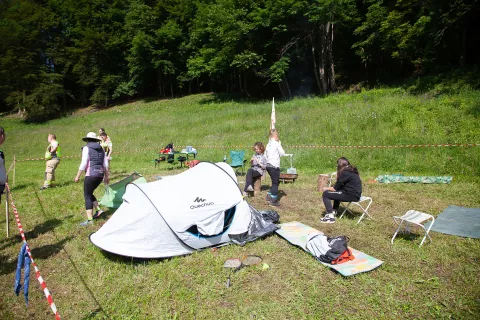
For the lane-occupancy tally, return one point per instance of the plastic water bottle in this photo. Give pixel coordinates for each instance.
(225, 158)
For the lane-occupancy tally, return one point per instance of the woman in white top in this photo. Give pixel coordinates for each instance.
(273, 152)
(95, 164)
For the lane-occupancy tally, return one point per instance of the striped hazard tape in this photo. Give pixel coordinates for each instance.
(43, 285)
(292, 147)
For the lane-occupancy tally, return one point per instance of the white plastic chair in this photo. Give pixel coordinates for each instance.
(417, 218)
(364, 200)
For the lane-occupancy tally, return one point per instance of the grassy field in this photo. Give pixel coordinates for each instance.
(439, 280)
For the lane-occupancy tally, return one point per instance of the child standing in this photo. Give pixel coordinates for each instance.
(348, 188)
(259, 163)
(273, 153)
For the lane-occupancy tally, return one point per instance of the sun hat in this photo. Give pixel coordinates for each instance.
(91, 136)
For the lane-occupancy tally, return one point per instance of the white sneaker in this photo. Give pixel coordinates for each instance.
(250, 188)
(329, 218)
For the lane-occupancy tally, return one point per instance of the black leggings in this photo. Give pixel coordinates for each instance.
(251, 173)
(89, 185)
(275, 176)
(337, 197)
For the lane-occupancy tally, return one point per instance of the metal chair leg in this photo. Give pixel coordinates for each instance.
(396, 232)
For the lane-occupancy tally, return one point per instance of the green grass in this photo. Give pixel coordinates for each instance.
(439, 280)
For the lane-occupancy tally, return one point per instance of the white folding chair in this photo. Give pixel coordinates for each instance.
(364, 200)
(417, 218)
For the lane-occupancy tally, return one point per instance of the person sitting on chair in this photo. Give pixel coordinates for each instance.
(348, 188)
(259, 164)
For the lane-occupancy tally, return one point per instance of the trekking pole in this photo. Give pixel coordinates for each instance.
(14, 168)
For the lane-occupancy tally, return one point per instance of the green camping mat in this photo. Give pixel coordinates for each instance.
(399, 178)
(114, 192)
(459, 221)
(297, 233)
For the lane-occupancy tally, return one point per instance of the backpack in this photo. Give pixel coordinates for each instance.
(338, 252)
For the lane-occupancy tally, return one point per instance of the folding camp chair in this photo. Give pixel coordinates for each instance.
(359, 203)
(237, 161)
(417, 218)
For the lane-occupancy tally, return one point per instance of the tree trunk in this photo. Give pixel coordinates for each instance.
(463, 53)
(315, 68)
(281, 89)
(331, 74)
(323, 58)
(288, 87)
(159, 83)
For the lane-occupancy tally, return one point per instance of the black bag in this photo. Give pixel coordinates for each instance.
(338, 246)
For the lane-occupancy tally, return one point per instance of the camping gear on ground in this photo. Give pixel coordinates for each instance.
(237, 160)
(288, 177)
(329, 250)
(237, 264)
(291, 170)
(114, 192)
(297, 233)
(270, 215)
(23, 262)
(416, 218)
(231, 264)
(198, 208)
(458, 221)
(168, 149)
(323, 182)
(399, 178)
(192, 163)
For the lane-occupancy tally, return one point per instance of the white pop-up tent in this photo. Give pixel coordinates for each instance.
(198, 208)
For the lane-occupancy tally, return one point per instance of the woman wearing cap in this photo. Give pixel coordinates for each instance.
(95, 164)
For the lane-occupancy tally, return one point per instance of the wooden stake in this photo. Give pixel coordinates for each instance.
(7, 214)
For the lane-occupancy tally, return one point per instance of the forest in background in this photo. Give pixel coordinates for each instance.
(56, 55)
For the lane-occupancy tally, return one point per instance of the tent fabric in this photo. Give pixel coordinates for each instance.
(458, 221)
(114, 192)
(398, 178)
(198, 208)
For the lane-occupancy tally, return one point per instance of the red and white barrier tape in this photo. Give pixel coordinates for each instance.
(37, 272)
(296, 147)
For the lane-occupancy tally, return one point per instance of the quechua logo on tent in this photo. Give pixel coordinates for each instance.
(201, 204)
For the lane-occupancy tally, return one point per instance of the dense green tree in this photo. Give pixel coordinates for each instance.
(58, 54)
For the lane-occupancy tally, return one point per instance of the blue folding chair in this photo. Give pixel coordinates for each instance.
(237, 161)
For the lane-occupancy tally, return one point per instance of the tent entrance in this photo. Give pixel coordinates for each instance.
(228, 218)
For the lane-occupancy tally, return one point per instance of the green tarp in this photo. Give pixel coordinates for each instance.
(114, 192)
(399, 178)
(458, 221)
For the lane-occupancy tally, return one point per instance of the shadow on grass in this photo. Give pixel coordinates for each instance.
(39, 229)
(49, 250)
(9, 266)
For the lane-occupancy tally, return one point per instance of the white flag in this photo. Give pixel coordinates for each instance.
(273, 120)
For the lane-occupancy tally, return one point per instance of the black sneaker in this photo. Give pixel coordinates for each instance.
(268, 197)
(329, 218)
(97, 214)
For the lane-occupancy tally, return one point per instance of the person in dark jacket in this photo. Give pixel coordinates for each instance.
(95, 164)
(348, 188)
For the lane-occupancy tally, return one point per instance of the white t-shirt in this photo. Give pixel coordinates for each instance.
(273, 152)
